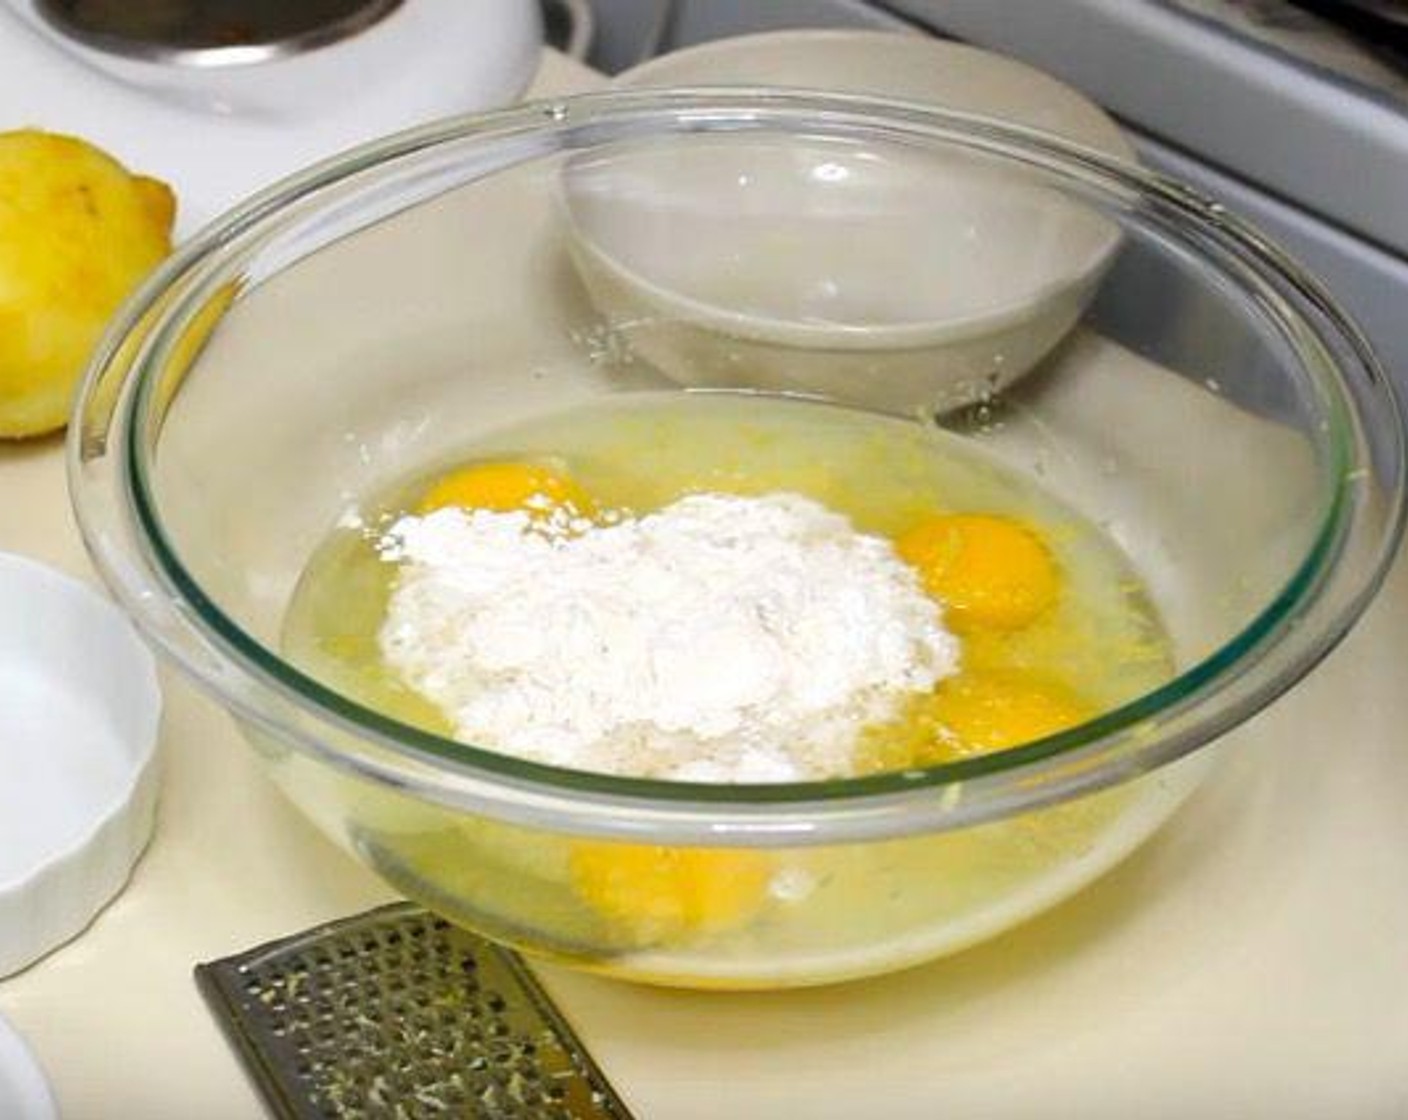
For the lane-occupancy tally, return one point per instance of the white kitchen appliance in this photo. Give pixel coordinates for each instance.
(219, 99)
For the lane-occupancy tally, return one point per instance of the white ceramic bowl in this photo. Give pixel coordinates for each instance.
(79, 711)
(24, 1091)
(867, 273)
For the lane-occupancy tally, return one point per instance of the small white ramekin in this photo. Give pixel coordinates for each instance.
(79, 715)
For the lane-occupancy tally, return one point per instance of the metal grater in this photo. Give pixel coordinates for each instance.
(398, 1013)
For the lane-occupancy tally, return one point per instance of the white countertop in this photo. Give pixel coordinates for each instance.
(1250, 962)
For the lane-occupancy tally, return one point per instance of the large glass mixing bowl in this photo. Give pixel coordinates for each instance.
(1155, 363)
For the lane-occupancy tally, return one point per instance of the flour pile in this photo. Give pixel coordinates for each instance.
(719, 639)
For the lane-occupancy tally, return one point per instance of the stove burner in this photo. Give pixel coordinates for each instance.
(211, 32)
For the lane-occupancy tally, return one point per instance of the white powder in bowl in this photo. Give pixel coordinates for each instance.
(720, 639)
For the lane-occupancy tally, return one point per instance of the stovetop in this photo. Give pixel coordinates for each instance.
(1345, 41)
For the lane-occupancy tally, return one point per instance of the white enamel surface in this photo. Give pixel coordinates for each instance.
(79, 708)
(217, 134)
(24, 1093)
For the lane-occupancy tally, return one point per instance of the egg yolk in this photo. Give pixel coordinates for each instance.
(984, 712)
(655, 895)
(977, 712)
(989, 571)
(506, 487)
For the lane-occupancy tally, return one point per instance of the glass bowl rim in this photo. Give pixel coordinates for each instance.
(210, 256)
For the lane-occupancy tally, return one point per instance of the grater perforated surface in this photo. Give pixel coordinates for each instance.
(397, 1013)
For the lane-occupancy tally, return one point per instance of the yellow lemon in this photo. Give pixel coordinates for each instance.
(654, 895)
(505, 487)
(989, 571)
(78, 232)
